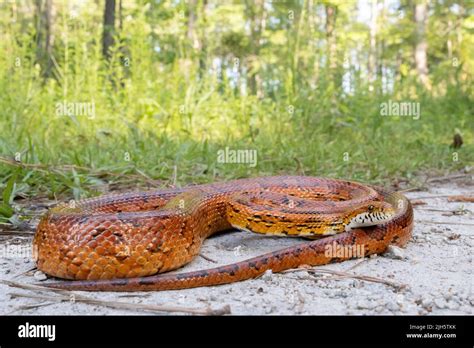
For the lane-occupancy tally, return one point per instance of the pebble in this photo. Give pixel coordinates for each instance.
(427, 302)
(341, 294)
(40, 276)
(414, 260)
(364, 304)
(448, 296)
(379, 309)
(440, 303)
(392, 306)
(395, 253)
(302, 275)
(453, 305)
(268, 275)
(400, 299)
(270, 309)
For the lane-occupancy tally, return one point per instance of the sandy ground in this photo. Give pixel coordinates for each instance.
(432, 275)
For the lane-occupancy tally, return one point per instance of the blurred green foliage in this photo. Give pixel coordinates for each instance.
(186, 79)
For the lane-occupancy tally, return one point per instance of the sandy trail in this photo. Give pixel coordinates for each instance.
(435, 272)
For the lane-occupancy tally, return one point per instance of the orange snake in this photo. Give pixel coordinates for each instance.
(121, 242)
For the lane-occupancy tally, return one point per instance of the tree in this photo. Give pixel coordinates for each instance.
(256, 14)
(372, 63)
(109, 28)
(44, 35)
(421, 46)
(331, 14)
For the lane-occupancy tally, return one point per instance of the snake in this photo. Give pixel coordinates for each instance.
(126, 241)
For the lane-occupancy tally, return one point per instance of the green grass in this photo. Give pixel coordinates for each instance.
(166, 120)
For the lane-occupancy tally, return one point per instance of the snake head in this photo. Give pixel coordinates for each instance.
(370, 214)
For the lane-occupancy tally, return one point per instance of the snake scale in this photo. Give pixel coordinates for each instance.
(124, 242)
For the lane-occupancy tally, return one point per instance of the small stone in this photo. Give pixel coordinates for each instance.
(40, 276)
(392, 306)
(269, 309)
(440, 303)
(427, 302)
(448, 295)
(453, 305)
(395, 253)
(364, 304)
(379, 309)
(268, 275)
(400, 299)
(302, 275)
(414, 260)
(213, 298)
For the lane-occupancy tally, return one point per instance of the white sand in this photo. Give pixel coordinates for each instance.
(436, 269)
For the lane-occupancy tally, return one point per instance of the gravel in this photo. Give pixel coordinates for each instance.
(435, 267)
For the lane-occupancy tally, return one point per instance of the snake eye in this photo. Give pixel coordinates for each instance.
(370, 207)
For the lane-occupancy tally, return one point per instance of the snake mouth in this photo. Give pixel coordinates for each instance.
(374, 214)
(369, 219)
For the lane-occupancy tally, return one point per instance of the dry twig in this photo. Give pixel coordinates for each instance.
(207, 258)
(342, 275)
(66, 296)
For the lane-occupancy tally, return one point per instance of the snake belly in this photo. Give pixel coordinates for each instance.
(124, 242)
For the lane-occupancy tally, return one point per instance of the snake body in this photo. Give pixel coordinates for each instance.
(123, 242)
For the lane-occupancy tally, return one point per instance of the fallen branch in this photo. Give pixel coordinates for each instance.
(207, 258)
(444, 223)
(356, 265)
(448, 177)
(65, 296)
(435, 196)
(342, 275)
(415, 202)
(411, 189)
(33, 306)
(13, 232)
(461, 198)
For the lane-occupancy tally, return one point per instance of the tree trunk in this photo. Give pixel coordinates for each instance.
(381, 71)
(109, 27)
(192, 35)
(372, 62)
(421, 46)
(334, 76)
(331, 37)
(44, 35)
(202, 41)
(255, 10)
